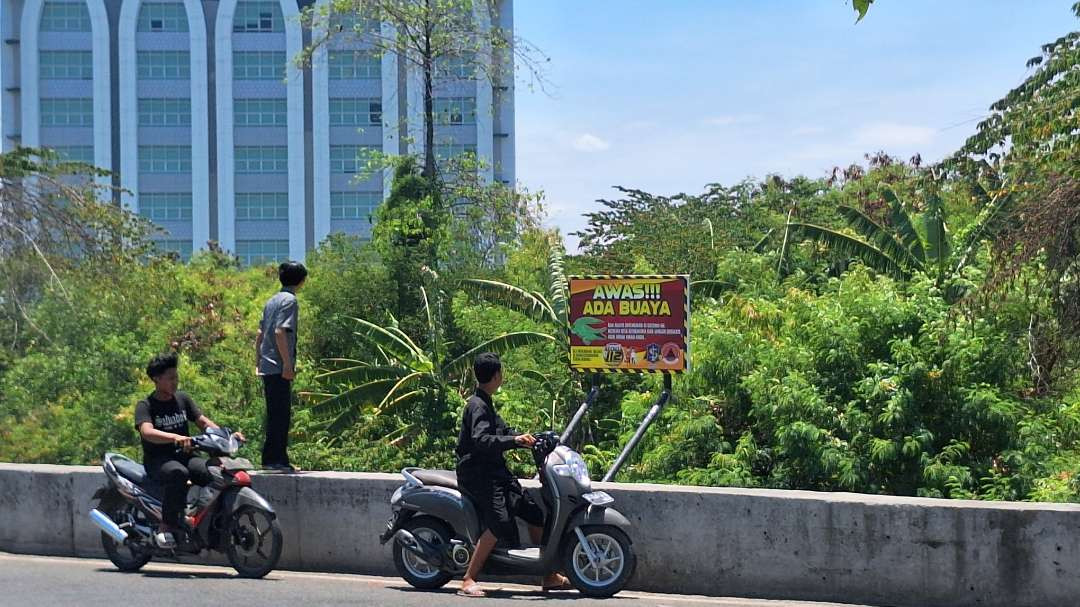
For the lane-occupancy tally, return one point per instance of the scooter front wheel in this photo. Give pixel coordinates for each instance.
(415, 570)
(253, 541)
(602, 565)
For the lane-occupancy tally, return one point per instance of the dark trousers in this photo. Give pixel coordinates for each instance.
(278, 419)
(499, 500)
(173, 475)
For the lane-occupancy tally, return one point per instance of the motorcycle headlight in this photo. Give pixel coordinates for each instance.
(574, 467)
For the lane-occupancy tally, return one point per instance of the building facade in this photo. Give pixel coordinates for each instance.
(211, 129)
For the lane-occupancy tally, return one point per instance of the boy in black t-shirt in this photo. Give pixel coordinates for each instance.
(162, 421)
(483, 476)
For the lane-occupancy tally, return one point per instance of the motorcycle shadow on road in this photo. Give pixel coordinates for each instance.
(184, 575)
(495, 592)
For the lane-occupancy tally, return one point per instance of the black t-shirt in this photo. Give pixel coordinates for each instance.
(483, 439)
(168, 416)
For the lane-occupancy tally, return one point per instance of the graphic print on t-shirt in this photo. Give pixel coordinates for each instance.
(170, 416)
(170, 423)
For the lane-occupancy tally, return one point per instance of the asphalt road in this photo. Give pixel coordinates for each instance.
(38, 581)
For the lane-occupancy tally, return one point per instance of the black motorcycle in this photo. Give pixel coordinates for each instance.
(226, 516)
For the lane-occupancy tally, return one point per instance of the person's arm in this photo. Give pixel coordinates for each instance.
(504, 429)
(286, 322)
(258, 349)
(152, 435)
(282, 342)
(486, 438)
(204, 422)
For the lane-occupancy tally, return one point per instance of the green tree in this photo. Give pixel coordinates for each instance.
(1032, 139)
(430, 36)
(408, 230)
(408, 381)
(347, 276)
(901, 249)
(52, 216)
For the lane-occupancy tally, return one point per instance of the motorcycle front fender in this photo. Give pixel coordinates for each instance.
(599, 515)
(236, 499)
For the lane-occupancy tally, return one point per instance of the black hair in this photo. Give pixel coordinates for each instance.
(485, 366)
(291, 273)
(161, 363)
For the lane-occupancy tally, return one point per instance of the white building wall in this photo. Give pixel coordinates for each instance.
(294, 43)
(10, 23)
(20, 120)
(31, 85)
(505, 127)
(129, 124)
(320, 136)
(485, 110)
(294, 76)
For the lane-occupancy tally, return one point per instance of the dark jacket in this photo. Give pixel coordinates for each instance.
(483, 439)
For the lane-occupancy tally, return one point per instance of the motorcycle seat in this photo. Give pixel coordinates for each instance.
(437, 478)
(130, 470)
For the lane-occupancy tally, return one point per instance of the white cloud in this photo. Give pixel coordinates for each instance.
(804, 131)
(885, 135)
(590, 143)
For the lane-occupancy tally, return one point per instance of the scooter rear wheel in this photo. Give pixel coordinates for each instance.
(414, 570)
(126, 558)
(610, 565)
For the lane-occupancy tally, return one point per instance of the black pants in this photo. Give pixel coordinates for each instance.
(173, 475)
(498, 501)
(278, 419)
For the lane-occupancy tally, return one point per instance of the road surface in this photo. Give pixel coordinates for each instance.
(38, 581)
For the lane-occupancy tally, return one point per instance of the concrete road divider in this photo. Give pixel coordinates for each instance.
(839, 547)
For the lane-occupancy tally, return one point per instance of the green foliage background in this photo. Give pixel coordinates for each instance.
(811, 370)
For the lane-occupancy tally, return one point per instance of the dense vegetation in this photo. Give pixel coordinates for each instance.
(897, 328)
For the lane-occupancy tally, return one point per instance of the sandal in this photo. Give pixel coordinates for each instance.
(472, 590)
(564, 584)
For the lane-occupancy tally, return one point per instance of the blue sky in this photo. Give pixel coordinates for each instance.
(669, 96)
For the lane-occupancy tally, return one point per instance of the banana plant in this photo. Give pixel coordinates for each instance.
(902, 249)
(551, 309)
(558, 390)
(548, 309)
(405, 377)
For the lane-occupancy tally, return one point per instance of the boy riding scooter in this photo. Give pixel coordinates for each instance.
(482, 474)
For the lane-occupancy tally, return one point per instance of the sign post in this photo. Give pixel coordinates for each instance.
(630, 324)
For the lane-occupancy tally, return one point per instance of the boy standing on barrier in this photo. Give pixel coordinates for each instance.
(275, 351)
(482, 475)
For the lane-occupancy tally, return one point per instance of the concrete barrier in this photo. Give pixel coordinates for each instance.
(837, 547)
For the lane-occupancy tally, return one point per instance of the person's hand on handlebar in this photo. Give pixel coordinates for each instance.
(239, 436)
(525, 440)
(184, 442)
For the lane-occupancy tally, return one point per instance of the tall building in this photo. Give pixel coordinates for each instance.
(212, 130)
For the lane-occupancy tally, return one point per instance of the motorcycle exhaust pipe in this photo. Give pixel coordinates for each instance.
(419, 547)
(107, 525)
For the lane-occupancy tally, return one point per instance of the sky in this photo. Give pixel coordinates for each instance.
(669, 96)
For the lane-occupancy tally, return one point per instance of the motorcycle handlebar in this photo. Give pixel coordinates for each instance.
(196, 443)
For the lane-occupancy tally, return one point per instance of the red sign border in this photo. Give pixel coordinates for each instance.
(686, 320)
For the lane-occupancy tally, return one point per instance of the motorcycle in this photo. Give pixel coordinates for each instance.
(227, 515)
(435, 527)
